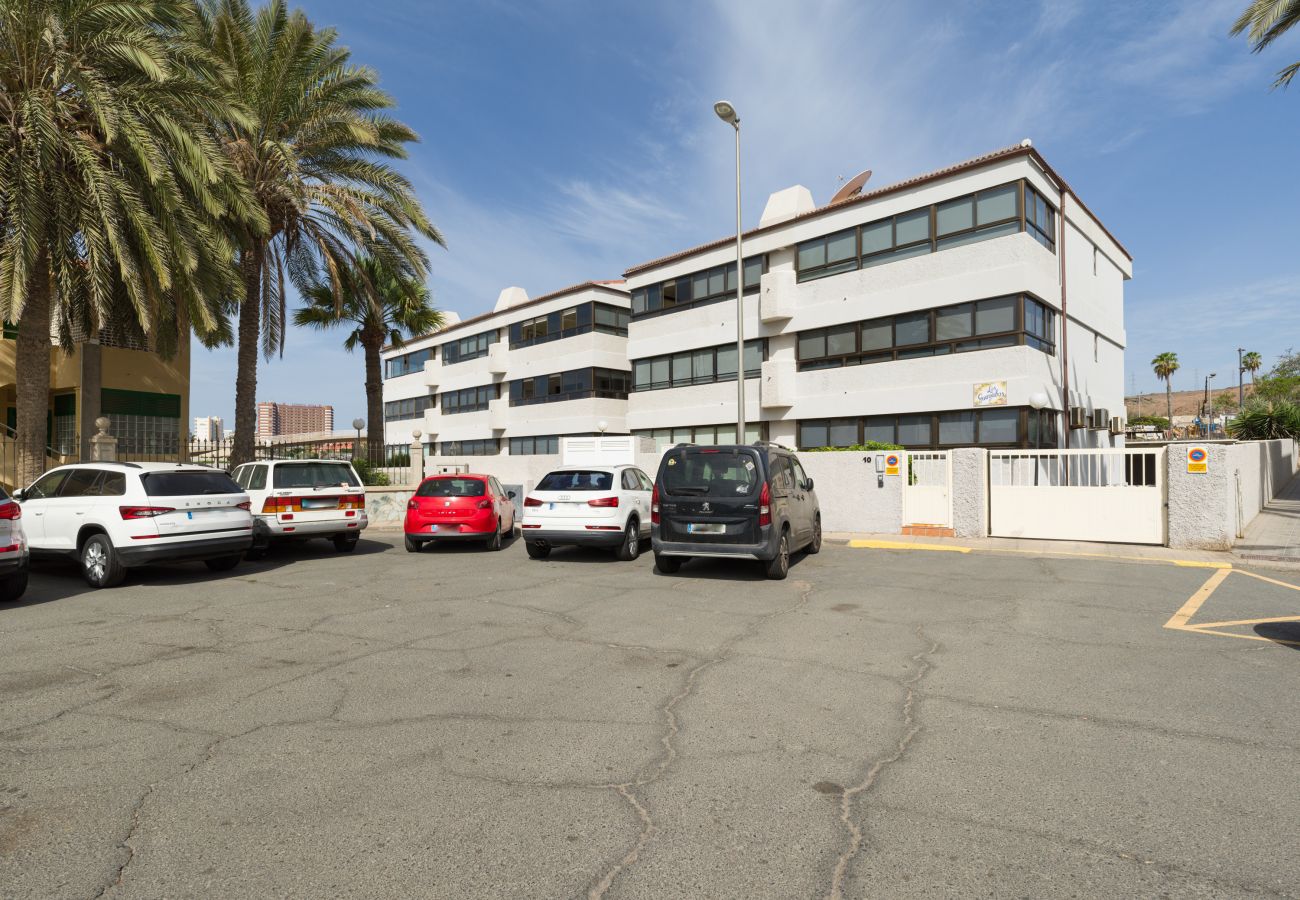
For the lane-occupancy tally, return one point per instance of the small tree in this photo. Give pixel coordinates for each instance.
(1251, 363)
(1165, 365)
(1263, 421)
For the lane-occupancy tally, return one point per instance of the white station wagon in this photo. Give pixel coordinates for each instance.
(299, 499)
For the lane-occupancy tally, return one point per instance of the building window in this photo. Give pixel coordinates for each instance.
(981, 325)
(475, 399)
(707, 286)
(581, 319)
(410, 408)
(145, 424)
(64, 436)
(1040, 218)
(575, 384)
(537, 445)
(1003, 426)
(704, 366)
(467, 348)
(481, 447)
(702, 434)
(397, 366)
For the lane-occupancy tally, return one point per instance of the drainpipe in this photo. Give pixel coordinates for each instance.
(1065, 323)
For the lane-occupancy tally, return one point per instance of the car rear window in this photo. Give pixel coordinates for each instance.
(452, 487)
(711, 472)
(314, 474)
(577, 480)
(179, 484)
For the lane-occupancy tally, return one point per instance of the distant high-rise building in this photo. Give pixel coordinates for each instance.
(293, 418)
(208, 428)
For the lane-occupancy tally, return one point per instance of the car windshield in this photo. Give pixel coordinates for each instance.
(314, 474)
(577, 480)
(711, 472)
(452, 487)
(179, 484)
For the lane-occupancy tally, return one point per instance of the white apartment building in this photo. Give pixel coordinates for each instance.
(208, 428)
(982, 304)
(515, 380)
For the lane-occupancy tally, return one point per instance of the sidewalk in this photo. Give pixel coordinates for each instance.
(1129, 552)
(1275, 533)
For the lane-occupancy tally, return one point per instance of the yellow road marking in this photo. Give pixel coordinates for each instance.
(1179, 619)
(1247, 622)
(1271, 580)
(903, 545)
(1245, 637)
(1194, 564)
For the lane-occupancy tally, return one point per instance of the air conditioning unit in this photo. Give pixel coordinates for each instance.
(1100, 419)
(1116, 425)
(1078, 417)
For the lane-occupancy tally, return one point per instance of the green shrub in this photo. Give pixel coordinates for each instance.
(369, 475)
(869, 445)
(1159, 421)
(1264, 420)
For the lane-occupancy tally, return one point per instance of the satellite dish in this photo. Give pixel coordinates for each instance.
(852, 187)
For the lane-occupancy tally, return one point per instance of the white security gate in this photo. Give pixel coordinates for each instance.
(927, 488)
(1078, 495)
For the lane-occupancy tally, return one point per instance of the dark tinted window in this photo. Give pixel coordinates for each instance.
(709, 472)
(113, 484)
(179, 484)
(313, 474)
(452, 487)
(577, 480)
(47, 485)
(80, 483)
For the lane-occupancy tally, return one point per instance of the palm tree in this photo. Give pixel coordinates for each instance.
(1252, 362)
(314, 153)
(1264, 21)
(381, 307)
(110, 196)
(1165, 365)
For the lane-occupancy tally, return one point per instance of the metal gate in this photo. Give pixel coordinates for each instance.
(1079, 495)
(927, 489)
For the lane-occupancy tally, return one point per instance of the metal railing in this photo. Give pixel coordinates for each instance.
(1076, 468)
(9, 458)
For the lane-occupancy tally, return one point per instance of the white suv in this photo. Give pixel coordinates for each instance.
(591, 506)
(13, 550)
(294, 499)
(115, 516)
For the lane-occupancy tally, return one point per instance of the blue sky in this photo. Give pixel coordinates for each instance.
(568, 140)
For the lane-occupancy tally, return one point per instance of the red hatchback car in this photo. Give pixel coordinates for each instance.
(459, 508)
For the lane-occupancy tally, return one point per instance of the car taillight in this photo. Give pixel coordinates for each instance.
(532, 501)
(411, 504)
(247, 504)
(352, 501)
(765, 506)
(654, 506)
(485, 504)
(603, 501)
(10, 510)
(277, 505)
(144, 512)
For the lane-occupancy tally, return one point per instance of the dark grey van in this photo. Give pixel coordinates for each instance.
(744, 501)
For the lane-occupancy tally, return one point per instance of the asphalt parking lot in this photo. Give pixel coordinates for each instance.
(464, 724)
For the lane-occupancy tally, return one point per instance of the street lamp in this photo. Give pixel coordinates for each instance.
(357, 423)
(1241, 381)
(727, 113)
(1205, 403)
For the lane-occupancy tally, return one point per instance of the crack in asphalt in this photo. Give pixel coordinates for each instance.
(628, 789)
(910, 728)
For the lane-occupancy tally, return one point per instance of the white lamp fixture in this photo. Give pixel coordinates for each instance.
(1038, 400)
(358, 423)
(727, 113)
(602, 425)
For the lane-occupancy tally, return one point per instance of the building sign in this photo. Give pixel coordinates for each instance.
(1198, 460)
(991, 393)
(891, 464)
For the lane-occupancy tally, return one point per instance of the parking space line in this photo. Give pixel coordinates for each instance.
(1179, 619)
(1247, 622)
(958, 548)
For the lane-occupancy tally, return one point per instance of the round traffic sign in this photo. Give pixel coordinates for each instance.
(1196, 454)
(891, 460)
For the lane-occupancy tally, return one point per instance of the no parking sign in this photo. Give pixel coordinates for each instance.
(1198, 460)
(891, 464)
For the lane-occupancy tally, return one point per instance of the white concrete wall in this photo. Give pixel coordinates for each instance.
(1209, 511)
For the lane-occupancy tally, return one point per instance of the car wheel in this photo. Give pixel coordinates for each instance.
(412, 545)
(630, 549)
(99, 563)
(668, 564)
(815, 545)
(779, 566)
(13, 587)
(494, 542)
(346, 543)
(222, 563)
(537, 550)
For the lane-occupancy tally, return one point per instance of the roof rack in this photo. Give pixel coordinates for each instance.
(773, 444)
(684, 444)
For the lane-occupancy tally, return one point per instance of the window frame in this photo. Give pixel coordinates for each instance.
(696, 379)
(651, 300)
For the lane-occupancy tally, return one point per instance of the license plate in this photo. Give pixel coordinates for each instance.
(320, 503)
(705, 528)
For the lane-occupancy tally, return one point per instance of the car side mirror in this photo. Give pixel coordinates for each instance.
(808, 485)
(510, 495)
(20, 495)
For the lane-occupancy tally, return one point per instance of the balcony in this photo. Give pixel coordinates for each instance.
(777, 383)
(496, 357)
(777, 296)
(498, 411)
(432, 368)
(431, 419)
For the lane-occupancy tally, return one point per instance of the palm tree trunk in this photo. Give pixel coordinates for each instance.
(33, 389)
(250, 320)
(375, 438)
(1169, 405)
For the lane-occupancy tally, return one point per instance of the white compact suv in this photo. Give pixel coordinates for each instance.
(590, 506)
(13, 550)
(296, 499)
(114, 516)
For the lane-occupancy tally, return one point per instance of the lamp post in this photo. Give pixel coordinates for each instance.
(357, 423)
(1205, 403)
(727, 113)
(1241, 381)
